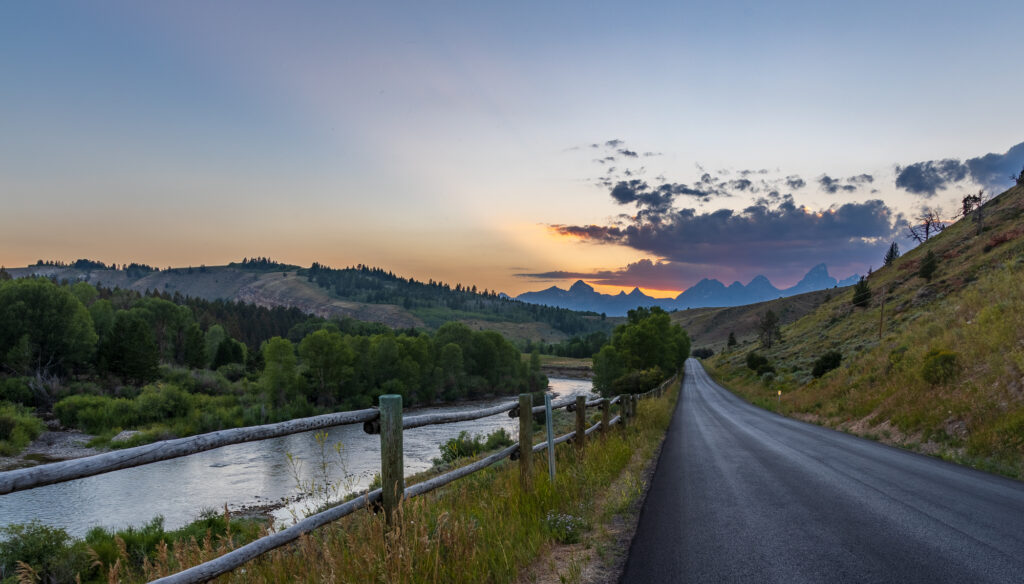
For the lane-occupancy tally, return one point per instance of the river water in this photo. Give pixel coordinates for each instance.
(242, 475)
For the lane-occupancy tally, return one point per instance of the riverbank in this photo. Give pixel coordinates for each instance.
(51, 446)
(568, 367)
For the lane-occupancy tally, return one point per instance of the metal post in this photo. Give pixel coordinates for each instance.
(551, 437)
(581, 422)
(392, 475)
(525, 439)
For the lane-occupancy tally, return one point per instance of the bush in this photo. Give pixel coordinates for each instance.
(50, 551)
(703, 353)
(939, 366)
(638, 381)
(826, 363)
(759, 363)
(465, 445)
(18, 427)
(16, 390)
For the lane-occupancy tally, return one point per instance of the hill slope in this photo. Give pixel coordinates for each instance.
(941, 371)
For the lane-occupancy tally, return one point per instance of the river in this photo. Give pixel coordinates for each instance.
(241, 475)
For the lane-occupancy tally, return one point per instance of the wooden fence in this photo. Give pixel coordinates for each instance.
(387, 420)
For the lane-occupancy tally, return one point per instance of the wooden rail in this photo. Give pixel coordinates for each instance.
(386, 421)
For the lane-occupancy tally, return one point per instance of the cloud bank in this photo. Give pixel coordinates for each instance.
(991, 171)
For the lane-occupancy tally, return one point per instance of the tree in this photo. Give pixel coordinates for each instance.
(130, 351)
(328, 362)
(973, 205)
(861, 293)
(279, 371)
(732, 339)
(43, 328)
(892, 254)
(929, 223)
(1019, 178)
(929, 264)
(769, 328)
(194, 354)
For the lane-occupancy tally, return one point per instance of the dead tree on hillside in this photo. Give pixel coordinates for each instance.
(929, 223)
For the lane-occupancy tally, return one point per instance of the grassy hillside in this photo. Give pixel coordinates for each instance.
(710, 327)
(942, 371)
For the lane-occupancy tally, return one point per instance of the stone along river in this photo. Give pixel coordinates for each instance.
(241, 475)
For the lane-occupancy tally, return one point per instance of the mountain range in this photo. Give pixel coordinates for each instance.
(706, 293)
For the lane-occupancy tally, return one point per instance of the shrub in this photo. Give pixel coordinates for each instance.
(50, 551)
(939, 366)
(759, 363)
(16, 390)
(18, 427)
(929, 264)
(638, 381)
(466, 445)
(826, 363)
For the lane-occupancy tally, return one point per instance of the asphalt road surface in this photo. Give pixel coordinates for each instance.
(744, 495)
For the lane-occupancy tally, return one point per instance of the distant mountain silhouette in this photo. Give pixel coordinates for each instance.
(707, 292)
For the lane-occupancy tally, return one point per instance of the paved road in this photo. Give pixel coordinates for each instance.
(744, 495)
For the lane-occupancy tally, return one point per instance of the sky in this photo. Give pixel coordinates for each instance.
(510, 146)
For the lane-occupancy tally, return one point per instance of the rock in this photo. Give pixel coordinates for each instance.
(124, 435)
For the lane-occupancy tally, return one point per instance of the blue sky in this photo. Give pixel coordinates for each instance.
(453, 141)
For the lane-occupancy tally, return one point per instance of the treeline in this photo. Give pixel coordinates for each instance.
(379, 286)
(110, 359)
(642, 353)
(578, 347)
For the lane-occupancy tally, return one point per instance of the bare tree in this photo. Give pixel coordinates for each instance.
(929, 223)
(1019, 178)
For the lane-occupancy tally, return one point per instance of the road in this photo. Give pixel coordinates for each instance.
(744, 495)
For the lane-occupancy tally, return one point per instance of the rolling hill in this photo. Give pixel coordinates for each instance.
(936, 366)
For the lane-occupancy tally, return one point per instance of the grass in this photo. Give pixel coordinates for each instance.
(483, 528)
(18, 427)
(942, 372)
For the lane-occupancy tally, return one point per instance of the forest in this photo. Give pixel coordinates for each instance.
(106, 360)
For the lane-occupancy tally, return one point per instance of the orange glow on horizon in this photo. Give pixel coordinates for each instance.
(603, 289)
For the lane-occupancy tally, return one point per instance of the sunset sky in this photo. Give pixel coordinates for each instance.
(508, 145)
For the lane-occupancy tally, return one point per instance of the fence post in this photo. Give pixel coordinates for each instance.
(550, 436)
(606, 415)
(633, 405)
(392, 475)
(525, 440)
(581, 422)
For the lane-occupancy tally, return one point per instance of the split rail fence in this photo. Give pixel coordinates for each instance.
(386, 420)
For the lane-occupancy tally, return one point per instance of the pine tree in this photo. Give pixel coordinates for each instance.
(861, 293)
(892, 254)
(929, 264)
(732, 339)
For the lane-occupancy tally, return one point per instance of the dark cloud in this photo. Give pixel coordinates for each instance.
(614, 143)
(834, 185)
(782, 235)
(628, 153)
(861, 179)
(795, 182)
(740, 184)
(927, 178)
(992, 171)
